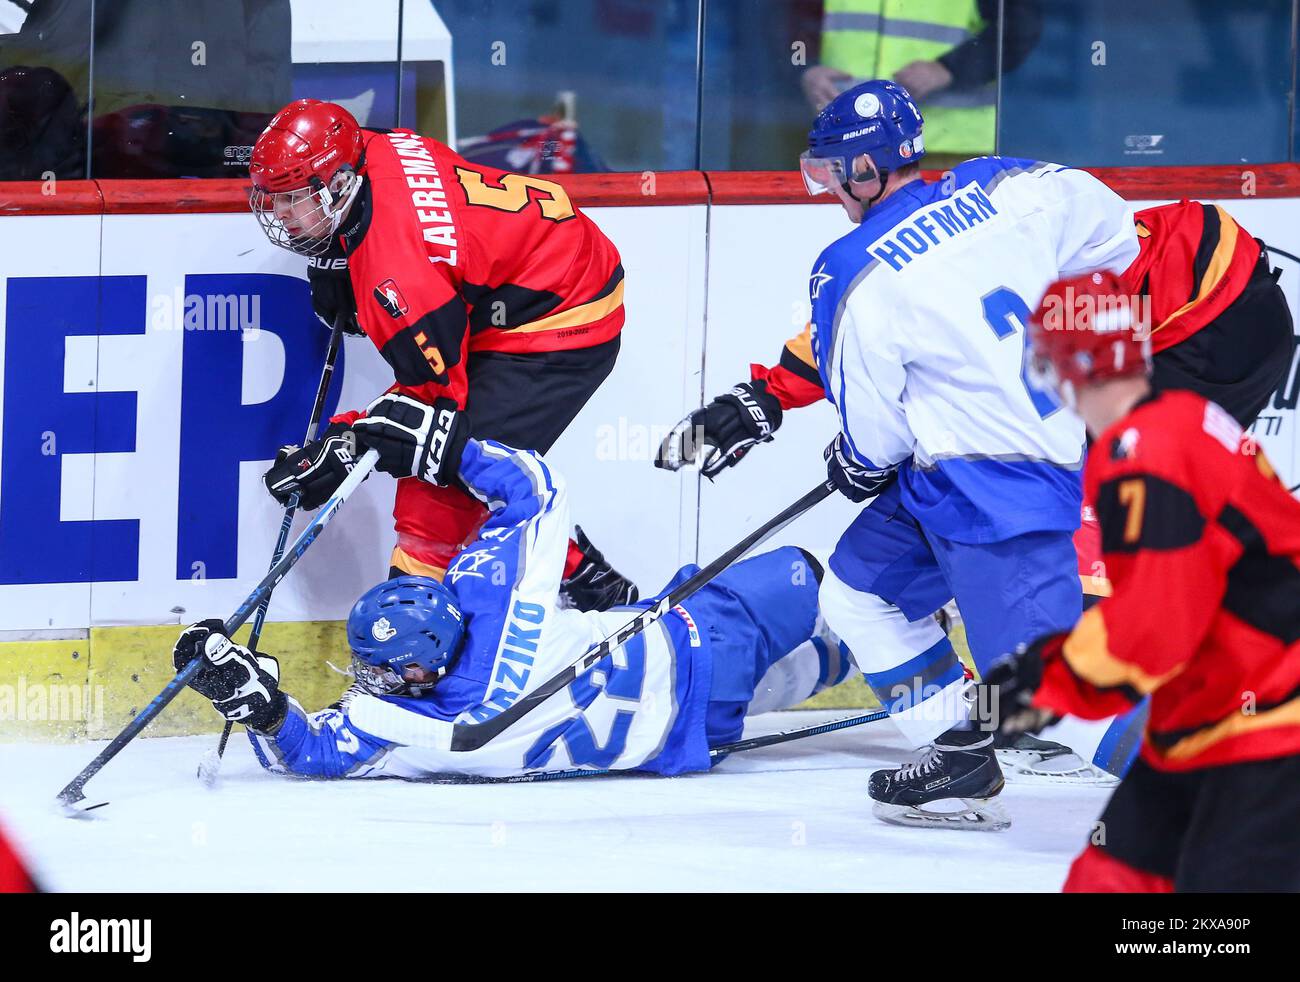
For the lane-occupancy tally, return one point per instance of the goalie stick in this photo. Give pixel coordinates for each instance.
(472, 736)
(72, 795)
(210, 763)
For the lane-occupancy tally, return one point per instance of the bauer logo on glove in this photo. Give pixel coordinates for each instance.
(719, 435)
(313, 472)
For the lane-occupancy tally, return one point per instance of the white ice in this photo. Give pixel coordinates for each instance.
(792, 817)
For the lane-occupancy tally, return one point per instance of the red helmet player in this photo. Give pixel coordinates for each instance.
(1087, 330)
(305, 176)
(384, 218)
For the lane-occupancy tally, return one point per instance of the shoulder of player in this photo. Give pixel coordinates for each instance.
(837, 269)
(1176, 435)
(991, 172)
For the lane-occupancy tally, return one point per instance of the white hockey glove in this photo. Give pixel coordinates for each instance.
(415, 439)
(244, 687)
(855, 481)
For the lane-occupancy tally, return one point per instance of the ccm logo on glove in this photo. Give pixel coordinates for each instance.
(438, 444)
(415, 439)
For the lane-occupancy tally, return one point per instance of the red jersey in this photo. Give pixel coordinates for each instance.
(1193, 260)
(14, 877)
(448, 257)
(1201, 543)
(794, 380)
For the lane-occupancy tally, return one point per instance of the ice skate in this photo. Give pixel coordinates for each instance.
(953, 785)
(1032, 760)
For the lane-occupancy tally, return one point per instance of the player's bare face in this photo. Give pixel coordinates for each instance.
(417, 675)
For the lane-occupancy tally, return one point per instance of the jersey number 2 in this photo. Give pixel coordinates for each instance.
(513, 195)
(1004, 312)
(624, 682)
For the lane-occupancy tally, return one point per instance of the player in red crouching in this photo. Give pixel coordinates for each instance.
(497, 303)
(1202, 544)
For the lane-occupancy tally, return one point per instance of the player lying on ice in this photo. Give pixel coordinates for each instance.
(427, 654)
(1202, 542)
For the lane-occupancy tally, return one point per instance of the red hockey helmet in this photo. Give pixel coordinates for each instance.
(1087, 329)
(304, 173)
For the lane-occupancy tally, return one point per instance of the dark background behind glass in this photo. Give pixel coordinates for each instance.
(1185, 82)
(650, 84)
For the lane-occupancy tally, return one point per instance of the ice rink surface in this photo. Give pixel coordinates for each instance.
(793, 817)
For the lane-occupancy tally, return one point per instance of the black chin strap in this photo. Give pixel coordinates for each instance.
(883, 176)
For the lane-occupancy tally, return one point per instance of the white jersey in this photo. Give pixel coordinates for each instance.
(920, 319)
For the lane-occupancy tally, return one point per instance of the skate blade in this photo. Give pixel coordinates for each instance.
(1029, 767)
(975, 815)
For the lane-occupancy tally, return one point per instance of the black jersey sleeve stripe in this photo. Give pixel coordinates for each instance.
(1141, 511)
(417, 352)
(1205, 249)
(795, 365)
(1263, 589)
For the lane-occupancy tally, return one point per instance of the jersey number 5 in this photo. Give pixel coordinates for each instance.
(513, 194)
(1004, 312)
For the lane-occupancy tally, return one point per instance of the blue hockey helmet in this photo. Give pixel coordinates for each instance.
(877, 118)
(409, 621)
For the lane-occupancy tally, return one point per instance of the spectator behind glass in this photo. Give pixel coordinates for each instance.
(43, 90)
(42, 126)
(944, 52)
(181, 89)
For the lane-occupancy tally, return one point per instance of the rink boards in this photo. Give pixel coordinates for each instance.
(151, 363)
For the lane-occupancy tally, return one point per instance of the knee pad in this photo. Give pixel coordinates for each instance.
(878, 633)
(910, 666)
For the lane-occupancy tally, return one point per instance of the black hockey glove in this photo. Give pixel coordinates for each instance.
(1017, 677)
(855, 481)
(313, 472)
(331, 292)
(595, 584)
(719, 435)
(243, 686)
(415, 439)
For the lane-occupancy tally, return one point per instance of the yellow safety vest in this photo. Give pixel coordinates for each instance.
(875, 38)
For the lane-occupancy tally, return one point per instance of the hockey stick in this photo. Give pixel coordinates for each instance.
(211, 761)
(73, 794)
(785, 736)
(739, 746)
(472, 736)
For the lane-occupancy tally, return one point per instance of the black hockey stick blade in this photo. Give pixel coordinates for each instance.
(472, 736)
